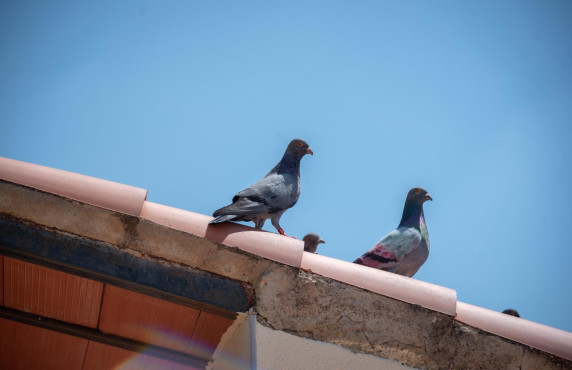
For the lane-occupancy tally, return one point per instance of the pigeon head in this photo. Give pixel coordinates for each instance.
(290, 162)
(413, 209)
(311, 242)
(418, 196)
(298, 148)
(313, 238)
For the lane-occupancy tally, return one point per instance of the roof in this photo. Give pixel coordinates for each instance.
(107, 242)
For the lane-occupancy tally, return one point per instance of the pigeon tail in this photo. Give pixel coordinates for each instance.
(223, 218)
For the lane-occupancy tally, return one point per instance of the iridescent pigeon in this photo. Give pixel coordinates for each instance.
(271, 196)
(311, 242)
(404, 250)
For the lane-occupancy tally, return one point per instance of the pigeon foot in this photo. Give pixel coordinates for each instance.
(281, 231)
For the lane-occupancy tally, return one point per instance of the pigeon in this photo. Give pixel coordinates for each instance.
(271, 196)
(311, 242)
(404, 250)
(511, 312)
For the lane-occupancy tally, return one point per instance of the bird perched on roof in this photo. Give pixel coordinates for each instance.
(405, 249)
(311, 242)
(511, 312)
(271, 196)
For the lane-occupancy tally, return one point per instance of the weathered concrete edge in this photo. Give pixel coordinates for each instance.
(110, 237)
(431, 296)
(551, 340)
(101, 261)
(320, 308)
(142, 236)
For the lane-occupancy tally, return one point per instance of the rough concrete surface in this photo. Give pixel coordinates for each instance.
(320, 308)
(137, 236)
(298, 302)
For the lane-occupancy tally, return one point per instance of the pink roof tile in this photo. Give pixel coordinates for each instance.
(102, 193)
(403, 288)
(266, 244)
(131, 200)
(548, 339)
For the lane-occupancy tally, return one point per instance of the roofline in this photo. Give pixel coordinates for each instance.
(546, 338)
(262, 243)
(105, 262)
(406, 289)
(98, 192)
(131, 201)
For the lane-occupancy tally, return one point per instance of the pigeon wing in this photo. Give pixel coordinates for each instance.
(243, 206)
(277, 191)
(269, 195)
(391, 250)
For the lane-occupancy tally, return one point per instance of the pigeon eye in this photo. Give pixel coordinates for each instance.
(417, 191)
(299, 144)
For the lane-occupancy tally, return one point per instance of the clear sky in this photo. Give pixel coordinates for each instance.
(194, 101)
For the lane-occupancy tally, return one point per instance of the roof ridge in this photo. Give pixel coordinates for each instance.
(132, 201)
(98, 192)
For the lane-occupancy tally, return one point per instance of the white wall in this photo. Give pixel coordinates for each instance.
(279, 350)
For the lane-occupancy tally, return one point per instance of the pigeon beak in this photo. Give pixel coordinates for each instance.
(321, 241)
(309, 151)
(428, 197)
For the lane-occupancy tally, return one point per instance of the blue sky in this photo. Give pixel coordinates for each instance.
(194, 101)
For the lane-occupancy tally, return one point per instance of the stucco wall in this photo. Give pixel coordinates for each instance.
(279, 350)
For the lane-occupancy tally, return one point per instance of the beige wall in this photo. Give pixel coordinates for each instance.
(280, 350)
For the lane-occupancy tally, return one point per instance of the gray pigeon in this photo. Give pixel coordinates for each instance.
(311, 242)
(404, 250)
(270, 196)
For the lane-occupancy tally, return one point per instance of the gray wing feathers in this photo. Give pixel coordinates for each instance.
(223, 219)
(271, 194)
(243, 206)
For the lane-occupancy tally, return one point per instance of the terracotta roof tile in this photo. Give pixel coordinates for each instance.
(129, 200)
(102, 193)
(269, 245)
(403, 288)
(548, 339)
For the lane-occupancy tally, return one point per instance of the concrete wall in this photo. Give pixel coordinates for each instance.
(289, 302)
(323, 309)
(279, 350)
